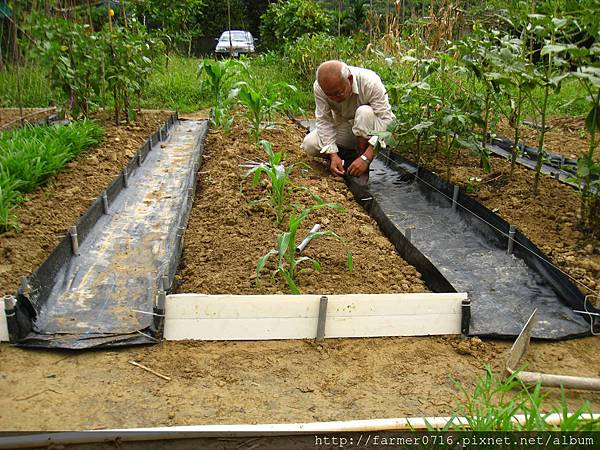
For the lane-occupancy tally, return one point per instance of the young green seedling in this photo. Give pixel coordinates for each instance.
(277, 174)
(287, 260)
(217, 75)
(259, 106)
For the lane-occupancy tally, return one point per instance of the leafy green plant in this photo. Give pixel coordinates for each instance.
(217, 76)
(286, 21)
(455, 129)
(180, 25)
(260, 106)
(278, 176)
(415, 106)
(30, 155)
(309, 50)
(72, 52)
(83, 63)
(288, 263)
(548, 77)
(516, 84)
(130, 51)
(477, 55)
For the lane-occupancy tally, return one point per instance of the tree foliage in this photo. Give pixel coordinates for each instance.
(285, 21)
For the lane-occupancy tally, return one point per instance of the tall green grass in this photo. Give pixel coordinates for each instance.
(30, 155)
(494, 401)
(176, 87)
(35, 89)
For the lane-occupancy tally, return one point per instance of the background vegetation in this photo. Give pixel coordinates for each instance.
(453, 69)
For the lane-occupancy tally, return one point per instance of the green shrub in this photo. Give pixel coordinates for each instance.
(285, 21)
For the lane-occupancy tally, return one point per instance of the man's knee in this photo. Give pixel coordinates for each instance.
(364, 113)
(364, 121)
(310, 145)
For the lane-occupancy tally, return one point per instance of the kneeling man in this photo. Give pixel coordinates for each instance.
(350, 102)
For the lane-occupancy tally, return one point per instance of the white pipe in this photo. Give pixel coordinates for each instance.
(204, 431)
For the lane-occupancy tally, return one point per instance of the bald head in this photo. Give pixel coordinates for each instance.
(335, 80)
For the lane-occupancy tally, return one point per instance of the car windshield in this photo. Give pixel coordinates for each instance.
(235, 36)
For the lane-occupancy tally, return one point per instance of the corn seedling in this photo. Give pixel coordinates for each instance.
(277, 174)
(259, 106)
(287, 261)
(216, 75)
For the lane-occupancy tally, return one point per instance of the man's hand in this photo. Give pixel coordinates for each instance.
(358, 167)
(336, 165)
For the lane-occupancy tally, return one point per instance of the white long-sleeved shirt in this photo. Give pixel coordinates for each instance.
(367, 89)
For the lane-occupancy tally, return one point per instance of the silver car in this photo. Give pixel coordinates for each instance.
(240, 42)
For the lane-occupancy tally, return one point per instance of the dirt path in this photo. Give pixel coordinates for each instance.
(251, 382)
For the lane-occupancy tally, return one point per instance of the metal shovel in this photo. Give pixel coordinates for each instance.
(518, 352)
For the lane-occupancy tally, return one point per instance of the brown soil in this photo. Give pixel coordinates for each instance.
(565, 135)
(251, 382)
(226, 235)
(10, 118)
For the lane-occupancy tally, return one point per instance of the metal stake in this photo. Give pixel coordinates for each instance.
(150, 142)
(125, 175)
(165, 283)
(511, 239)
(322, 318)
(180, 233)
(139, 159)
(455, 196)
(161, 299)
(105, 202)
(465, 317)
(160, 133)
(74, 240)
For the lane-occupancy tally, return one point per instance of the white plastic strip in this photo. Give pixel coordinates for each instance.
(222, 431)
(3, 324)
(263, 317)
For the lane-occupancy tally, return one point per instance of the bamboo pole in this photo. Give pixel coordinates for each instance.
(17, 62)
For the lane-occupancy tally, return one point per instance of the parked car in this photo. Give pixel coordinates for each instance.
(241, 42)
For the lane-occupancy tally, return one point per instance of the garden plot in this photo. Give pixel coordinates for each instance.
(257, 382)
(471, 254)
(502, 288)
(122, 263)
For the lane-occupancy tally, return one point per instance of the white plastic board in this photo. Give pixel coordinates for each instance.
(3, 324)
(258, 317)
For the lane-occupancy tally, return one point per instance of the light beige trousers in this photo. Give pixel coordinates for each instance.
(365, 121)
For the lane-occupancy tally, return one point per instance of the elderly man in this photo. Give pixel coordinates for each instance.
(351, 102)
